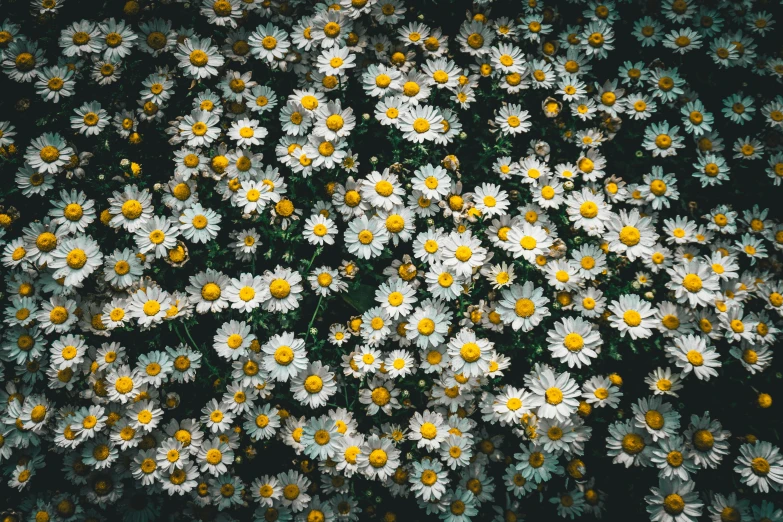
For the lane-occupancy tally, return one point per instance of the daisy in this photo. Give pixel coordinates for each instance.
(633, 316)
(522, 306)
(512, 119)
(693, 354)
(601, 391)
(573, 341)
(528, 241)
(314, 385)
(693, 282)
(674, 500)
(628, 444)
(198, 57)
(420, 123)
(246, 132)
(760, 466)
(396, 298)
(48, 154)
(199, 224)
(378, 458)
(149, 306)
(554, 395)
(366, 238)
(706, 441)
(536, 465)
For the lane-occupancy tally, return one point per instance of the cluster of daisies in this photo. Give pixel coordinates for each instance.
(428, 391)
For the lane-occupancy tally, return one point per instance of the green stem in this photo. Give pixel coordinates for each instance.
(315, 312)
(315, 254)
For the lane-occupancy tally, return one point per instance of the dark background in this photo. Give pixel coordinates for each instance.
(731, 397)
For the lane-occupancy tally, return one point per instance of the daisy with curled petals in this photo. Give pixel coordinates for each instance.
(630, 234)
(693, 282)
(753, 358)
(633, 316)
(199, 224)
(199, 58)
(555, 395)
(378, 458)
(366, 238)
(674, 500)
(314, 385)
(522, 306)
(760, 466)
(693, 354)
(380, 395)
(663, 382)
(75, 259)
(628, 444)
(574, 342)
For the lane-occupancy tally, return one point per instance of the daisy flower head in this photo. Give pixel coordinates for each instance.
(692, 353)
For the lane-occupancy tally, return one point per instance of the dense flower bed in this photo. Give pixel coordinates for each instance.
(377, 260)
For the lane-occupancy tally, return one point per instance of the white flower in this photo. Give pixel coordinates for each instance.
(693, 354)
(574, 342)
